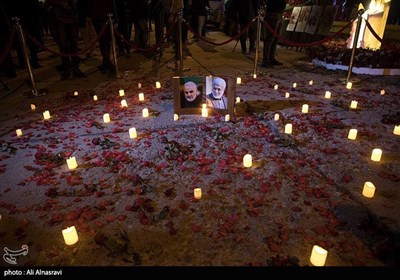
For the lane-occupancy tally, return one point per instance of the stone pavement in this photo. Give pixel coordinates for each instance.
(132, 201)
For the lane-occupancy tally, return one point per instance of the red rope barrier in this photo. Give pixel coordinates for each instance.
(384, 43)
(294, 44)
(8, 46)
(225, 42)
(40, 45)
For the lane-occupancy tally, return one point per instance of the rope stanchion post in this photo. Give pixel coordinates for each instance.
(35, 92)
(258, 34)
(113, 44)
(355, 41)
(181, 68)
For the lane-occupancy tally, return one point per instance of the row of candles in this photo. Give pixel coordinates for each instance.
(318, 254)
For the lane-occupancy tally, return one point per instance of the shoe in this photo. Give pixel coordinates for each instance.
(276, 62)
(267, 65)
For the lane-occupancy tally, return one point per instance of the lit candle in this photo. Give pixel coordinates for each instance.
(145, 112)
(288, 128)
(204, 105)
(237, 99)
(247, 160)
(197, 193)
(33, 107)
(141, 96)
(139, 85)
(376, 155)
(176, 117)
(368, 190)
(76, 93)
(311, 82)
(132, 132)
(71, 162)
(106, 118)
(158, 85)
(352, 134)
(254, 76)
(121, 92)
(123, 103)
(396, 130)
(353, 104)
(327, 94)
(382, 92)
(204, 112)
(70, 235)
(227, 117)
(18, 132)
(276, 117)
(349, 85)
(294, 85)
(238, 80)
(318, 256)
(287, 95)
(276, 87)
(46, 115)
(304, 109)
(95, 98)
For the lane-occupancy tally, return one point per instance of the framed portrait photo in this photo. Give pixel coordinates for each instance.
(190, 93)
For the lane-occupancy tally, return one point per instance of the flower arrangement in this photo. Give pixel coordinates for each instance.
(336, 52)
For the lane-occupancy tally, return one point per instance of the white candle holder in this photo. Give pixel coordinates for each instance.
(158, 85)
(106, 118)
(276, 117)
(287, 95)
(121, 92)
(95, 98)
(353, 104)
(197, 193)
(396, 130)
(46, 115)
(304, 109)
(141, 96)
(124, 103)
(376, 155)
(276, 87)
(71, 163)
(288, 128)
(311, 82)
(70, 235)
(327, 94)
(227, 117)
(247, 160)
(18, 132)
(349, 85)
(352, 134)
(33, 107)
(318, 256)
(368, 190)
(132, 133)
(204, 112)
(238, 80)
(145, 113)
(176, 117)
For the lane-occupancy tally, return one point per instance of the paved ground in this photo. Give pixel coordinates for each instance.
(132, 200)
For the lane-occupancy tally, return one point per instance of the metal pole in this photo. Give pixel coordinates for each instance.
(25, 52)
(113, 44)
(355, 41)
(257, 42)
(179, 41)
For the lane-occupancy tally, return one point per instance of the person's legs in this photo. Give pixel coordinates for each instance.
(268, 49)
(275, 43)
